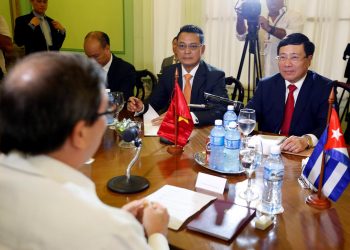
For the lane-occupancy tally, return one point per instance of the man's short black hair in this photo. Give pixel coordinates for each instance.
(297, 39)
(44, 96)
(190, 28)
(102, 37)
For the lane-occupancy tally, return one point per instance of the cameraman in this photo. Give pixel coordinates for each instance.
(279, 23)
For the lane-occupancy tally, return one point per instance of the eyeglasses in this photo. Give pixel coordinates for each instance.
(192, 46)
(110, 110)
(293, 58)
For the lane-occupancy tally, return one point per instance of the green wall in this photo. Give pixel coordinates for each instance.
(115, 17)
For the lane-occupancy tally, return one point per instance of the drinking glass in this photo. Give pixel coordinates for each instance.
(118, 101)
(246, 121)
(250, 156)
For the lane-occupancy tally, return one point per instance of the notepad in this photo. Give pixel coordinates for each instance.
(222, 219)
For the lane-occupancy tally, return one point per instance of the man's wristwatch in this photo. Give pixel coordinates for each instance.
(309, 141)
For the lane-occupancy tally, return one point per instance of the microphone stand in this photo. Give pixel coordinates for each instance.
(129, 184)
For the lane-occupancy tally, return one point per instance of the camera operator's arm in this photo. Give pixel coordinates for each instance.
(275, 31)
(241, 28)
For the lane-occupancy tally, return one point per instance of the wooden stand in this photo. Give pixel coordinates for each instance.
(175, 150)
(318, 200)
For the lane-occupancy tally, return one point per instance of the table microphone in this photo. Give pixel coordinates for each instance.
(128, 184)
(237, 105)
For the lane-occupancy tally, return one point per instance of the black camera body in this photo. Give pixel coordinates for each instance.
(249, 9)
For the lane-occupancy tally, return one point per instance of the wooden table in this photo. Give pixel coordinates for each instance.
(299, 227)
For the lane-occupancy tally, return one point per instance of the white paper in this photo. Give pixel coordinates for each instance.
(211, 183)
(149, 129)
(268, 141)
(181, 203)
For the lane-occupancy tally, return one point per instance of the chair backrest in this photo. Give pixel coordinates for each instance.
(238, 90)
(145, 81)
(340, 89)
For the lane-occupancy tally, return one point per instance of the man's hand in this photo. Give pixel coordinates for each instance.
(264, 24)
(134, 104)
(57, 25)
(294, 144)
(157, 121)
(155, 219)
(136, 208)
(35, 21)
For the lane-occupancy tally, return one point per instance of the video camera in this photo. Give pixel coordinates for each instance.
(249, 9)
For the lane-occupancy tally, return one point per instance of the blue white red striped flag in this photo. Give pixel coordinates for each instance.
(337, 163)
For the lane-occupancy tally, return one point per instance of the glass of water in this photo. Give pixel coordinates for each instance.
(250, 156)
(246, 121)
(118, 101)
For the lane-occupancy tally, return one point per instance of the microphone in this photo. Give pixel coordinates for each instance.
(130, 134)
(237, 105)
(201, 106)
(128, 184)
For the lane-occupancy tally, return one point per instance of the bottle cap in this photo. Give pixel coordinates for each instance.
(230, 107)
(275, 149)
(232, 125)
(218, 122)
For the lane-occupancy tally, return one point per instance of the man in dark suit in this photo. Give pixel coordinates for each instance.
(203, 78)
(171, 59)
(38, 32)
(310, 97)
(121, 75)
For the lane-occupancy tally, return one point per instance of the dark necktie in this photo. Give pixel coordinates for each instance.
(288, 110)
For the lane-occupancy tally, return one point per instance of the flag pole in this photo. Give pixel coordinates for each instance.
(318, 200)
(175, 149)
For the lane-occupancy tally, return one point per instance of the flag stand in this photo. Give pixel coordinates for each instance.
(175, 149)
(318, 200)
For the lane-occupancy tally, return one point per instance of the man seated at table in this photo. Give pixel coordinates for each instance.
(293, 102)
(121, 75)
(201, 77)
(52, 112)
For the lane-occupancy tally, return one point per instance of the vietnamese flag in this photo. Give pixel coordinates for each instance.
(179, 110)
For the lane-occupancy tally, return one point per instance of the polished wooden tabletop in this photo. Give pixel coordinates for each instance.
(298, 227)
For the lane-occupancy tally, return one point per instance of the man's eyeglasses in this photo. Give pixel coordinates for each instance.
(192, 46)
(293, 58)
(110, 110)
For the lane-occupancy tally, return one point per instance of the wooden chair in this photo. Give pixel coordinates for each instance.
(145, 81)
(238, 90)
(342, 88)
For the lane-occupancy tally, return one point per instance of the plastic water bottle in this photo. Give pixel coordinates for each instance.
(110, 118)
(231, 150)
(273, 178)
(229, 116)
(217, 137)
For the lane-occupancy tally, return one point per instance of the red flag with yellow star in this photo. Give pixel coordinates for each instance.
(179, 110)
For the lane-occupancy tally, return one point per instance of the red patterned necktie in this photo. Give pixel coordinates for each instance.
(288, 110)
(188, 88)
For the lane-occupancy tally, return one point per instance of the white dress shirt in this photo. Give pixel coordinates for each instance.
(46, 204)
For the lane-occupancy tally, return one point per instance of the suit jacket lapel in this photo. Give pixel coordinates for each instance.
(302, 100)
(280, 101)
(198, 81)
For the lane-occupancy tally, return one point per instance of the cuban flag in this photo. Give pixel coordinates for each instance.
(336, 171)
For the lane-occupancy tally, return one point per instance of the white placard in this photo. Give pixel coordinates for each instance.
(211, 183)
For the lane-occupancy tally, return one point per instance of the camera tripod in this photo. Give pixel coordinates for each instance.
(253, 41)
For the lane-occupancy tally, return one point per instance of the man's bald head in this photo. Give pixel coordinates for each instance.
(43, 97)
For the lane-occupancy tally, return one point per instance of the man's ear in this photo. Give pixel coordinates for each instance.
(79, 138)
